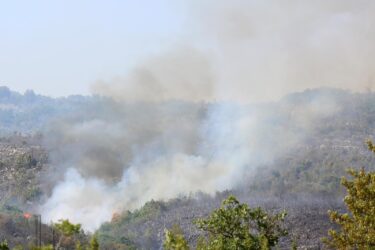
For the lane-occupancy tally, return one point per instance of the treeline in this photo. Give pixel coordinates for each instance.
(29, 113)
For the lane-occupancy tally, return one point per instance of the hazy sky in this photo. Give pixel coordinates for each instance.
(243, 50)
(61, 47)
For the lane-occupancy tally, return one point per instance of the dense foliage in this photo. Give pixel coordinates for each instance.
(234, 226)
(174, 239)
(94, 244)
(72, 236)
(357, 228)
(4, 245)
(66, 228)
(237, 226)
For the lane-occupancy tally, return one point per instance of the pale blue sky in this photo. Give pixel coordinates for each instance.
(60, 47)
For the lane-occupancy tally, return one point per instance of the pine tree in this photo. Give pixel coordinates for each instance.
(357, 227)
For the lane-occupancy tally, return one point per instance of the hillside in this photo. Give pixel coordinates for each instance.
(22, 164)
(30, 112)
(328, 127)
(305, 181)
(307, 220)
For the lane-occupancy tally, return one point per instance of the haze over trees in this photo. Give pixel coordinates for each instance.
(305, 180)
(30, 112)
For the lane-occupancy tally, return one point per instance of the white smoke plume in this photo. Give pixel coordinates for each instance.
(181, 123)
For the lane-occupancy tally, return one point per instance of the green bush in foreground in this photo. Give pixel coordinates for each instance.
(357, 228)
(234, 226)
(4, 245)
(94, 244)
(174, 239)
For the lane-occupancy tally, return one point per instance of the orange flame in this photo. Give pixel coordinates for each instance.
(27, 215)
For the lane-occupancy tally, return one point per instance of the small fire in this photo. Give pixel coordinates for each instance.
(27, 215)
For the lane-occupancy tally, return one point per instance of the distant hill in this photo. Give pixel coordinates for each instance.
(30, 112)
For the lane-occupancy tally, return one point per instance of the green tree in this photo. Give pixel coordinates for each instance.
(67, 230)
(233, 226)
(236, 226)
(357, 228)
(79, 246)
(174, 239)
(4, 245)
(94, 244)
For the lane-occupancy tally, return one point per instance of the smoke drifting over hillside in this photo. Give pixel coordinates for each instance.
(178, 123)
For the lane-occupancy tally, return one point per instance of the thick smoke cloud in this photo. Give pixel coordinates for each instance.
(266, 49)
(129, 153)
(259, 51)
(180, 74)
(181, 123)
